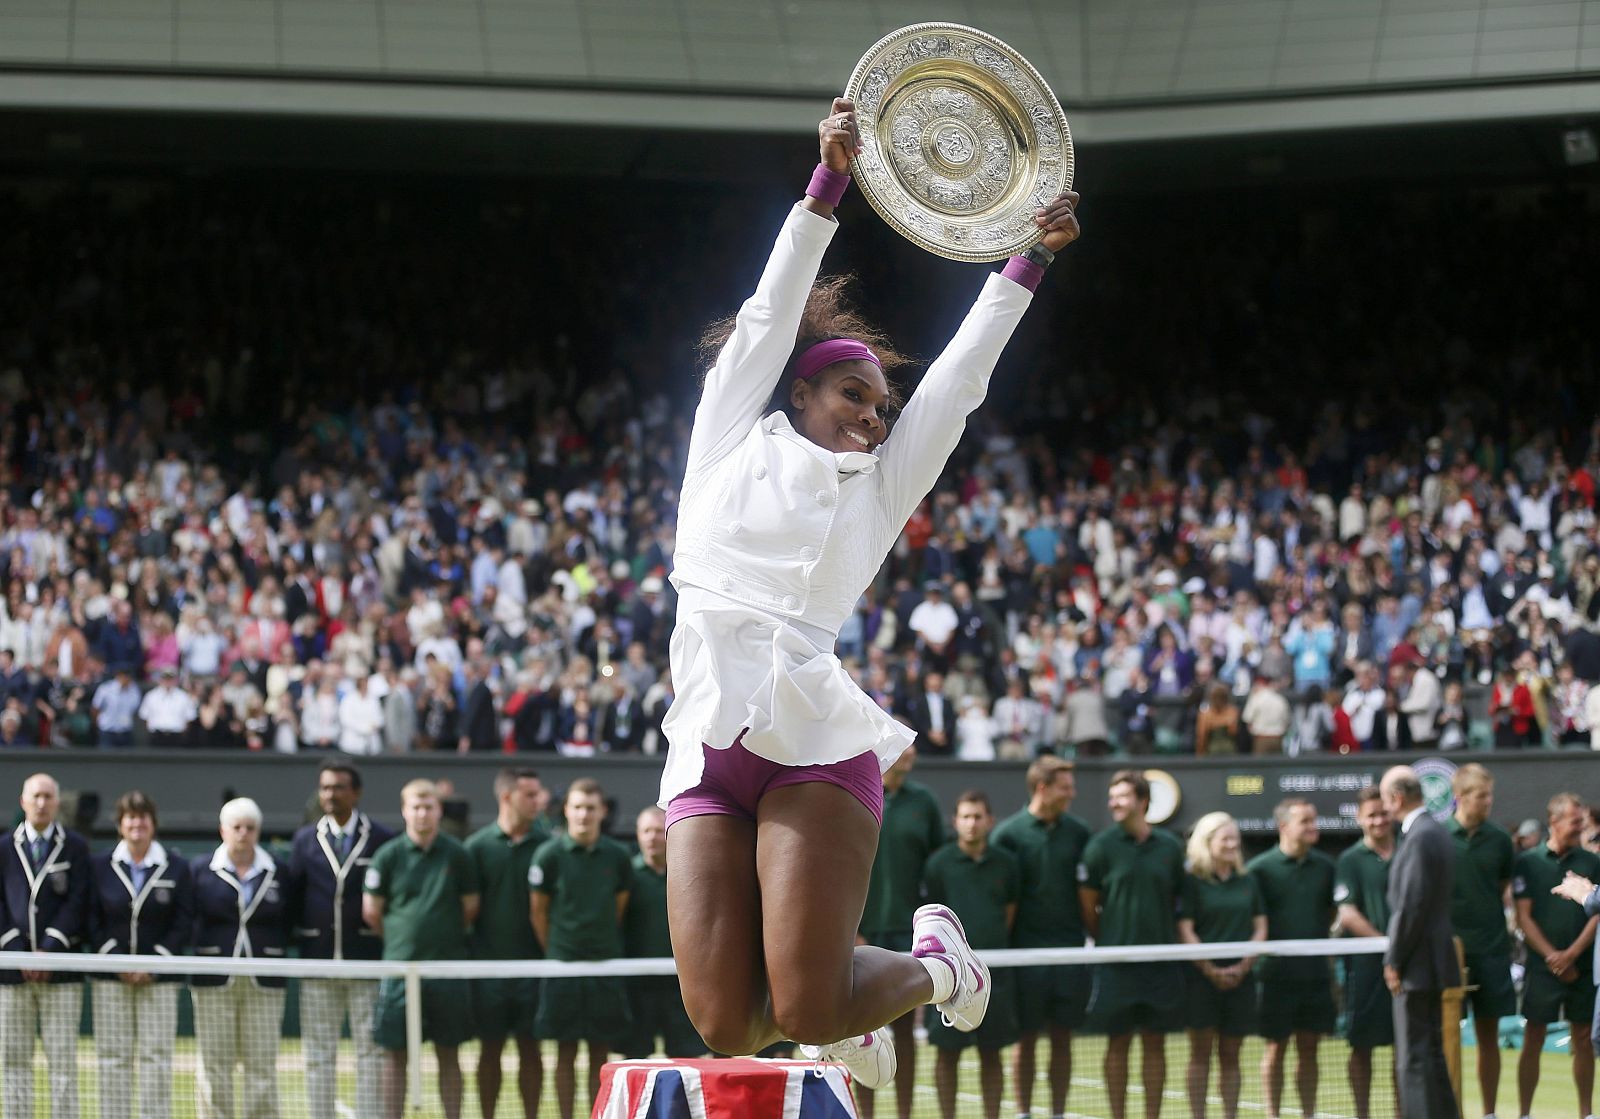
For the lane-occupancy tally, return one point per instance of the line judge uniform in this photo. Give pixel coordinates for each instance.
(138, 908)
(327, 865)
(1421, 878)
(45, 879)
(237, 1019)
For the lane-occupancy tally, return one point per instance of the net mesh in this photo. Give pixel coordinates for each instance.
(243, 1045)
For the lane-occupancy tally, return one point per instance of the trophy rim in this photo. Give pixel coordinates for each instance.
(871, 189)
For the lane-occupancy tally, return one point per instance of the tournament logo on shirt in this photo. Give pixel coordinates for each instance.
(1437, 776)
(373, 880)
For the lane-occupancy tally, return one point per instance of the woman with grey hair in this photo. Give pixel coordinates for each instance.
(239, 911)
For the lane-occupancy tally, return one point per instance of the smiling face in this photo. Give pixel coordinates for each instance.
(845, 407)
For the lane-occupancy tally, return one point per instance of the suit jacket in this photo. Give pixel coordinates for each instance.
(1421, 878)
(1380, 733)
(622, 734)
(228, 925)
(46, 910)
(479, 724)
(156, 919)
(325, 890)
(917, 713)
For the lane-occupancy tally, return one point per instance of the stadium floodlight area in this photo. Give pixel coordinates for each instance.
(120, 1071)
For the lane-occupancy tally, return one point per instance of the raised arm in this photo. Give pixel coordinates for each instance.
(747, 370)
(931, 424)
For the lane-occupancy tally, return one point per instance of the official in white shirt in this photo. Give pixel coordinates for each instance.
(167, 711)
(361, 719)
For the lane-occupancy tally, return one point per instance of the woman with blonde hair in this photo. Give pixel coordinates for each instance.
(1221, 904)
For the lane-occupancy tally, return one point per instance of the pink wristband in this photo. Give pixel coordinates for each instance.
(1023, 271)
(827, 186)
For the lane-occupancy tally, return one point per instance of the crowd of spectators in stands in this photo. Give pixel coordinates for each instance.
(356, 474)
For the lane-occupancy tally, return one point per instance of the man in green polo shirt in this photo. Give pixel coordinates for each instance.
(1048, 843)
(913, 828)
(1360, 890)
(1128, 888)
(1296, 994)
(655, 1002)
(501, 853)
(983, 884)
(580, 881)
(1560, 935)
(421, 894)
(1485, 853)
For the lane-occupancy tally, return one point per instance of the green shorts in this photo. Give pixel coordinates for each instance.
(1051, 997)
(1291, 1006)
(1137, 998)
(584, 1008)
(446, 1013)
(655, 1005)
(999, 1026)
(1496, 994)
(1546, 999)
(1368, 1005)
(1207, 1007)
(504, 1008)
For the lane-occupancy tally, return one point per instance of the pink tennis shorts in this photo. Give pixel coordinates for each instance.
(735, 780)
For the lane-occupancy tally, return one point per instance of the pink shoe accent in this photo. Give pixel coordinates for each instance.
(929, 945)
(978, 975)
(869, 1040)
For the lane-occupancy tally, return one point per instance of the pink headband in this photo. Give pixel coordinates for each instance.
(831, 352)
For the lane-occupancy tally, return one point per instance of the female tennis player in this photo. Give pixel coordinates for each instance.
(773, 785)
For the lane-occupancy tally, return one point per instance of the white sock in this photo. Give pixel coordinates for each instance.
(943, 973)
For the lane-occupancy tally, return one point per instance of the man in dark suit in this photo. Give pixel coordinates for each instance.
(1421, 961)
(932, 716)
(480, 728)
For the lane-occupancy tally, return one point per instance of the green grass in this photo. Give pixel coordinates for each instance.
(1556, 1098)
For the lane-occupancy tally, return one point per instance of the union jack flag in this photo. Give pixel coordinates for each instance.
(744, 1088)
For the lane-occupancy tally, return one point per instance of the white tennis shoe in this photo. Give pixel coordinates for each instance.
(869, 1058)
(937, 931)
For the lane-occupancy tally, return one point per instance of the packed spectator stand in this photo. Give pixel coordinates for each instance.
(341, 469)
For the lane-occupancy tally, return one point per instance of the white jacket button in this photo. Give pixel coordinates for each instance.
(727, 582)
(808, 553)
(760, 472)
(790, 602)
(824, 498)
(735, 527)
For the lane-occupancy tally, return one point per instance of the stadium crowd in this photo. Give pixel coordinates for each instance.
(380, 517)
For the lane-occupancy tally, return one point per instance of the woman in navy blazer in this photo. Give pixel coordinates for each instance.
(240, 910)
(141, 903)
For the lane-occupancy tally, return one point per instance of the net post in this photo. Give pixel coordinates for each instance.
(1450, 1008)
(413, 982)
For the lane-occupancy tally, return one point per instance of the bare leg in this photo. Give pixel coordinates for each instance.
(1488, 1060)
(1228, 1078)
(1272, 1077)
(1583, 1072)
(1060, 1068)
(714, 908)
(814, 849)
(946, 1068)
(1023, 1071)
(1306, 1070)
(1116, 1073)
(1360, 1068)
(450, 1083)
(1528, 1065)
(1153, 1048)
(489, 1074)
(1199, 1077)
(394, 1084)
(530, 1075)
(566, 1075)
(991, 1081)
(598, 1052)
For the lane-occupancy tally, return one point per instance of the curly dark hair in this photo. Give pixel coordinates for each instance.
(828, 315)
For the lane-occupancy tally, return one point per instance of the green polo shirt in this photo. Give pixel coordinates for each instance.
(583, 884)
(1536, 873)
(422, 891)
(503, 930)
(1223, 909)
(913, 829)
(1298, 896)
(644, 925)
(1484, 859)
(1138, 882)
(1048, 855)
(978, 889)
(1361, 879)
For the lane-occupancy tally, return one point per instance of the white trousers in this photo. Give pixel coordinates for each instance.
(324, 1006)
(50, 1011)
(239, 1024)
(134, 1032)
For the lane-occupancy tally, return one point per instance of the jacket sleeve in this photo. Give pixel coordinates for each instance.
(10, 932)
(932, 421)
(1415, 903)
(294, 885)
(180, 932)
(66, 932)
(741, 381)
